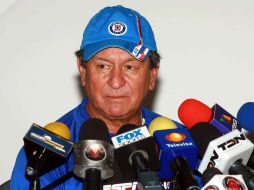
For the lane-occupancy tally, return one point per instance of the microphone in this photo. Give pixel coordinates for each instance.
(192, 111)
(93, 154)
(245, 117)
(136, 154)
(223, 150)
(209, 173)
(247, 174)
(213, 178)
(44, 144)
(226, 182)
(59, 128)
(229, 153)
(161, 123)
(178, 155)
(203, 133)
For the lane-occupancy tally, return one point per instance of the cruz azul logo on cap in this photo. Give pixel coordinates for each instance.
(117, 28)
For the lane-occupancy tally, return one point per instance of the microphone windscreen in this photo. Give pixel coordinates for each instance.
(127, 127)
(209, 173)
(192, 111)
(161, 123)
(203, 133)
(59, 129)
(245, 116)
(94, 129)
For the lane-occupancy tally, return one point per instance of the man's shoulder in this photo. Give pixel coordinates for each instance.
(77, 112)
(75, 118)
(149, 114)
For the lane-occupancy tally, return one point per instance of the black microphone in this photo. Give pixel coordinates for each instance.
(213, 179)
(203, 133)
(136, 154)
(46, 148)
(217, 150)
(225, 152)
(209, 173)
(226, 182)
(93, 154)
(247, 174)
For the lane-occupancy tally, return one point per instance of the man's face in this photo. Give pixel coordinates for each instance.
(116, 83)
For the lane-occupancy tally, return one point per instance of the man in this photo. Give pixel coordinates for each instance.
(118, 64)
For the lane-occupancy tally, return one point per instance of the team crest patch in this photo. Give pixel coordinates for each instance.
(117, 28)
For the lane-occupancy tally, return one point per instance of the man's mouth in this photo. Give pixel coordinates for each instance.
(118, 97)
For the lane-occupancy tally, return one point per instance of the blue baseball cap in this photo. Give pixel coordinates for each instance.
(121, 27)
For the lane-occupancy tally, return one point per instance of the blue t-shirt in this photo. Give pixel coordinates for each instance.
(74, 120)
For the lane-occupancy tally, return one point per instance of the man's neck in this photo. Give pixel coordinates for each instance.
(115, 123)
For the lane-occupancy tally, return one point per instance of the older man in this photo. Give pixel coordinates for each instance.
(118, 64)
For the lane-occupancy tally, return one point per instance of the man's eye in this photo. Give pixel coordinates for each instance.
(102, 66)
(129, 67)
(132, 67)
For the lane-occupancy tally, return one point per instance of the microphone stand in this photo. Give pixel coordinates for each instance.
(148, 179)
(34, 184)
(93, 179)
(33, 176)
(184, 174)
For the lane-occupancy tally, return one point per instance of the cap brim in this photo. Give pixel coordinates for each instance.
(91, 49)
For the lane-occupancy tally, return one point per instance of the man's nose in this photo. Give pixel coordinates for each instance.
(116, 78)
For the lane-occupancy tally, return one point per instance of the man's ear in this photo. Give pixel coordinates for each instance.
(153, 76)
(82, 71)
